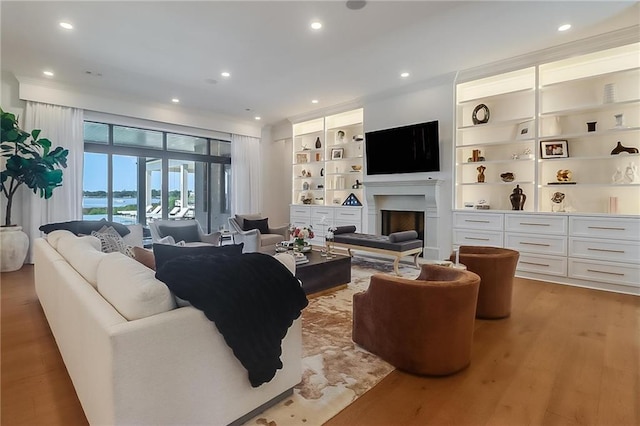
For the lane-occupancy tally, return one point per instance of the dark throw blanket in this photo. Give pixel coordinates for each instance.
(253, 299)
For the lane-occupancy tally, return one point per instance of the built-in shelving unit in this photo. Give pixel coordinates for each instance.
(553, 102)
(328, 159)
(590, 235)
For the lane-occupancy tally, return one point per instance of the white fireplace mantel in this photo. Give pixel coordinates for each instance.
(408, 195)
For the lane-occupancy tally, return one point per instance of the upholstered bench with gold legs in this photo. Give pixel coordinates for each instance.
(397, 245)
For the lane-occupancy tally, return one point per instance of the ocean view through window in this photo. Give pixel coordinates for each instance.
(134, 175)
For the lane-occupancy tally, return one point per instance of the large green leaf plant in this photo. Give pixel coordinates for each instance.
(29, 160)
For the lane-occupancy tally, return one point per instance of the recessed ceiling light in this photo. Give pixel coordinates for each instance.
(314, 101)
(257, 117)
(405, 75)
(66, 25)
(48, 73)
(225, 74)
(564, 27)
(315, 25)
(175, 100)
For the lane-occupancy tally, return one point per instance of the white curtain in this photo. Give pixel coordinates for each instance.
(63, 127)
(245, 175)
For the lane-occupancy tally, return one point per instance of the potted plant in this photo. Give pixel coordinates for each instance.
(29, 160)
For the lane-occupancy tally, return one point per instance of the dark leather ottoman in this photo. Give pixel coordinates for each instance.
(322, 274)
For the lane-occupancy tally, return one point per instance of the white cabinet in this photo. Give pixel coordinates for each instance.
(320, 218)
(596, 251)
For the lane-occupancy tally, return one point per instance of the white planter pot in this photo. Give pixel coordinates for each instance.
(13, 248)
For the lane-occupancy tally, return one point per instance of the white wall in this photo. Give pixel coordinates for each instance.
(11, 103)
(275, 177)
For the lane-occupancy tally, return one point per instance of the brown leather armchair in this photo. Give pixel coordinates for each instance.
(423, 326)
(496, 267)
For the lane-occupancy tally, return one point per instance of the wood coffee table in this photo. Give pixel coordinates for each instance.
(320, 274)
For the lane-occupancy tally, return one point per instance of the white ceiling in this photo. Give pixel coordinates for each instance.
(153, 51)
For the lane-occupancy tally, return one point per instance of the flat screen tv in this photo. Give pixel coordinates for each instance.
(407, 149)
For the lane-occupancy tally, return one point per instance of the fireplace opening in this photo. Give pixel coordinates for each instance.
(396, 221)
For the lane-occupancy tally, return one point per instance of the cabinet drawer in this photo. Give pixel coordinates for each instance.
(348, 214)
(529, 243)
(318, 213)
(609, 272)
(465, 237)
(299, 222)
(605, 227)
(617, 251)
(300, 211)
(542, 264)
(478, 221)
(536, 224)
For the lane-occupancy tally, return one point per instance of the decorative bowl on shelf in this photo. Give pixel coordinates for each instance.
(507, 177)
(356, 168)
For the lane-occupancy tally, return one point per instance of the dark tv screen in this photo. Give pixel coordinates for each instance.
(407, 149)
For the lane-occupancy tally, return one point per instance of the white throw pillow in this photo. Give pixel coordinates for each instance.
(131, 288)
(54, 237)
(83, 254)
(134, 238)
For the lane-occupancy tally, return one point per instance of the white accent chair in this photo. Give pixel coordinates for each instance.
(254, 240)
(174, 231)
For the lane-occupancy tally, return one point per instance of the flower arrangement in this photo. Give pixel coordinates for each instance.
(330, 232)
(301, 233)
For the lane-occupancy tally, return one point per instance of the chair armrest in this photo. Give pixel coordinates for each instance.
(212, 238)
(282, 230)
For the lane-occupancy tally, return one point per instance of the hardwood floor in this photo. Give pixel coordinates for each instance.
(566, 356)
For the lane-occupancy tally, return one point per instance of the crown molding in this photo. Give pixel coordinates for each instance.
(562, 51)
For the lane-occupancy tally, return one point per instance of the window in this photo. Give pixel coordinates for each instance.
(136, 176)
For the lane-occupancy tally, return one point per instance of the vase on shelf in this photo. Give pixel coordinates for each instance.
(318, 143)
(517, 198)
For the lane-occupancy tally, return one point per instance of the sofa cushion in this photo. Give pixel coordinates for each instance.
(187, 233)
(164, 252)
(83, 254)
(261, 225)
(131, 288)
(84, 227)
(270, 239)
(54, 237)
(346, 229)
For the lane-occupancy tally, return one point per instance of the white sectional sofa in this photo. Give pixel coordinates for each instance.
(135, 357)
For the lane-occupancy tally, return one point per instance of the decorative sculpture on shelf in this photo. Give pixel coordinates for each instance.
(618, 176)
(619, 148)
(481, 170)
(558, 202)
(631, 173)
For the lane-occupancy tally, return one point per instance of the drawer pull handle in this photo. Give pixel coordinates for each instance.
(606, 272)
(476, 239)
(607, 228)
(535, 264)
(534, 244)
(534, 224)
(476, 221)
(608, 251)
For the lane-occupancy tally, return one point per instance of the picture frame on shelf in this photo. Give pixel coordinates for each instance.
(340, 137)
(525, 130)
(301, 158)
(556, 148)
(337, 153)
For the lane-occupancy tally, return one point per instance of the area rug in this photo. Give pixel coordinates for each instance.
(335, 371)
